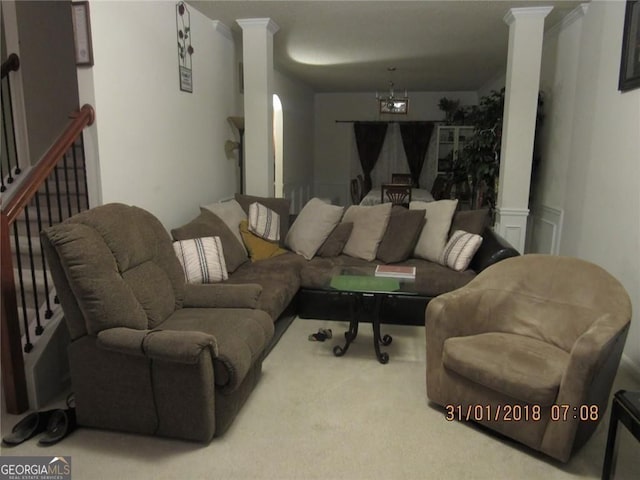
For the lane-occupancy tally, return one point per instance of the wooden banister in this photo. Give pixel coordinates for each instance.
(13, 375)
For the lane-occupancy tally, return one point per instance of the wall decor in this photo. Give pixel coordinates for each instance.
(185, 49)
(630, 62)
(82, 33)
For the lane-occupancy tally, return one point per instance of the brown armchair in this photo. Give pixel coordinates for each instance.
(535, 339)
(150, 354)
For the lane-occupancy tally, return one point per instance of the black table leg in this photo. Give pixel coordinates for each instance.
(351, 334)
(383, 357)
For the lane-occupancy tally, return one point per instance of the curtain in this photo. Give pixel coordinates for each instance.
(369, 140)
(415, 139)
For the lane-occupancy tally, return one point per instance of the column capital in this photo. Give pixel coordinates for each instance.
(263, 23)
(514, 13)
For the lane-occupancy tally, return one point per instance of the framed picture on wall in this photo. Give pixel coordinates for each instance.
(82, 33)
(630, 62)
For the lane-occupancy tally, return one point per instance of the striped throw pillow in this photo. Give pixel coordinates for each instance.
(202, 259)
(460, 249)
(264, 222)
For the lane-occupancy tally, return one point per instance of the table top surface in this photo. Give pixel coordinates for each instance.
(364, 280)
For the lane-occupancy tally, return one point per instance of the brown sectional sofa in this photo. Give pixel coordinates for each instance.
(291, 283)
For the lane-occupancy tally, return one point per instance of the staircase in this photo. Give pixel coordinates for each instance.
(52, 191)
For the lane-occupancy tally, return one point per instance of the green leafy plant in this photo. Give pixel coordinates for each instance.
(479, 161)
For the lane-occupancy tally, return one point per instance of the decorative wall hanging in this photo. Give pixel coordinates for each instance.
(82, 33)
(630, 63)
(185, 50)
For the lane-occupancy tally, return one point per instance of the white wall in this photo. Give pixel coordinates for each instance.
(591, 150)
(298, 119)
(155, 146)
(336, 158)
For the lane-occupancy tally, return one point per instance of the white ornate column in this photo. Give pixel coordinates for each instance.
(257, 57)
(526, 29)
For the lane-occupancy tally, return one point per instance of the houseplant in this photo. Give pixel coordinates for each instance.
(479, 161)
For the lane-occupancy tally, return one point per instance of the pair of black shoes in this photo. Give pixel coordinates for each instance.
(56, 425)
(322, 335)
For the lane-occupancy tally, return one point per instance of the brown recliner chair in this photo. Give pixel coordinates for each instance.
(529, 348)
(150, 354)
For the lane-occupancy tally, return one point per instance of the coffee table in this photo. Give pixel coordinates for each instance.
(626, 409)
(362, 286)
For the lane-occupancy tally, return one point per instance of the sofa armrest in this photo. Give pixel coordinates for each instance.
(493, 249)
(222, 295)
(168, 345)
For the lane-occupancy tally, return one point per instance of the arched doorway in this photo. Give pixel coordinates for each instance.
(278, 136)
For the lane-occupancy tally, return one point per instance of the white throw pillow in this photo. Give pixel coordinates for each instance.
(314, 224)
(202, 259)
(231, 213)
(460, 249)
(435, 232)
(369, 225)
(264, 222)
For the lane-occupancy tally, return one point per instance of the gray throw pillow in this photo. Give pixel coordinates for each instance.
(472, 221)
(435, 233)
(369, 225)
(337, 239)
(311, 228)
(231, 213)
(208, 224)
(279, 205)
(401, 235)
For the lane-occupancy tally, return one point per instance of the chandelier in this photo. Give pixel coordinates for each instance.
(392, 103)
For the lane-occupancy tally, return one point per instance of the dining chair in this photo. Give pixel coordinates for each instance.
(396, 193)
(401, 178)
(355, 191)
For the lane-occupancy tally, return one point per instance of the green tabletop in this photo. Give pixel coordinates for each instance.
(364, 283)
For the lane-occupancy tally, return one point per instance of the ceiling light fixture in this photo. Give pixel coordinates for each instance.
(393, 103)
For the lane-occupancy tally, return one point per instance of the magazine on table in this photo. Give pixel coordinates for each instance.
(395, 271)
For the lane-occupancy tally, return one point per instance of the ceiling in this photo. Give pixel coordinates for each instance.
(347, 46)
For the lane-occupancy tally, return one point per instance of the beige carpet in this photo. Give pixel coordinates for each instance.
(316, 416)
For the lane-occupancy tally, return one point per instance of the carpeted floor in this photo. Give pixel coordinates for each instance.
(316, 416)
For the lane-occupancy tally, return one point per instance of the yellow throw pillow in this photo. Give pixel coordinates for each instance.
(258, 248)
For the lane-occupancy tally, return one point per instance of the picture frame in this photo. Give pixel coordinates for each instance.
(395, 106)
(82, 33)
(630, 61)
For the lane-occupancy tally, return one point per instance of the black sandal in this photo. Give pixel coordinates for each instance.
(28, 427)
(61, 423)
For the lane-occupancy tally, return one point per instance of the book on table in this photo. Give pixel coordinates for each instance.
(395, 271)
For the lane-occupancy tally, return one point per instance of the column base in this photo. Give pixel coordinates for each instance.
(511, 224)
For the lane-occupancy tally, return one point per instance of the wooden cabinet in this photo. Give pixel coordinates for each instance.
(451, 141)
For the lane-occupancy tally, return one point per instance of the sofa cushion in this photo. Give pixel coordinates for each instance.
(208, 224)
(401, 235)
(231, 213)
(259, 248)
(337, 239)
(202, 260)
(314, 224)
(521, 367)
(369, 225)
(472, 221)
(279, 205)
(264, 222)
(460, 249)
(435, 232)
(279, 277)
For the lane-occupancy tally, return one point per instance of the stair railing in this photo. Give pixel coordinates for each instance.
(9, 157)
(42, 178)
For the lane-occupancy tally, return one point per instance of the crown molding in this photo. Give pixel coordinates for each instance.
(222, 29)
(265, 23)
(571, 17)
(515, 13)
